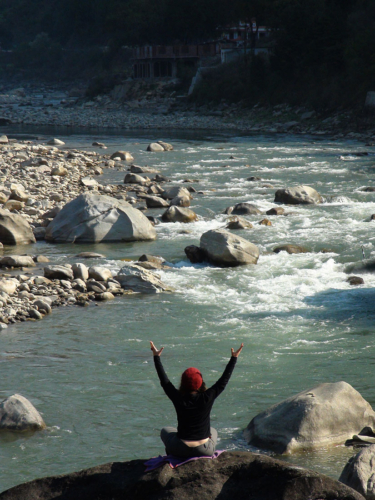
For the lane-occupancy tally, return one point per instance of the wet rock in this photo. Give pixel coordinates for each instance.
(100, 273)
(369, 189)
(253, 178)
(154, 147)
(299, 195)
(14, 229)
(161, 178)
(151, 258)
(179, 214)
(245, 209)
(359, 472)
(276, 211)
(58, 273)
(290, 249)
(17, 261)
(165, 145)
(265, 222)
(225, 249)
(18, 414)
(135, 169)
(95, 218)
(122, 155)
(195, 254)
(39, 233)
(326, 415)
(104, 296)
(352, 280)
(35, 314)
(141, 280)
(90, 255)
(238, 223)
(40, 258)
(232, 476)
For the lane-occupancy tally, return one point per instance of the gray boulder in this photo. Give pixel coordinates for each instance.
(181, 201)
(18, 414)
(165, 145)
(299, 195)
(80, 271)
(58, 273)
(123, 155)
(174, 191)
(155, 201)
(235, 223)
(14, 229)
(225, 249)
(141, 280)
(100, 273)
(179, 214)
(232, 476)
(326, 415)
(154, 147)
(245, 209)
(94, 218)
(290, 249)
(17, 261)
(135, 179)
(359, 472)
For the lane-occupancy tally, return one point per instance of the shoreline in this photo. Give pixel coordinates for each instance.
(56, 106)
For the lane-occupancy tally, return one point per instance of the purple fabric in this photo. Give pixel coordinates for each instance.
(154, 463)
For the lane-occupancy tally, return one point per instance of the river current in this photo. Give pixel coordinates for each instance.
(89, 371)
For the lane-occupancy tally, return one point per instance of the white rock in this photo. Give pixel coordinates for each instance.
(18, 414)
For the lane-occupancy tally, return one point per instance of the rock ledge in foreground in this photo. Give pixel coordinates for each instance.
(232, 476)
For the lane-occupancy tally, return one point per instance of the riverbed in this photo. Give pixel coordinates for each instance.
(89, 371)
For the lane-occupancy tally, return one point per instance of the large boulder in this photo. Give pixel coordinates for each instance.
(154, 147)
(92, 218)
(225, 249)
(57, 272)
(175, 191)
(299, 195)
(18, 414)
(141, 280)
(245, 209)
(17, 261)
(326, 415)
(179, 214)
(14, 229)
(359, 472)
(232, 476)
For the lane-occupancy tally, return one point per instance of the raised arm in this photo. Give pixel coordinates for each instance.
(220, 385)
(166, 384)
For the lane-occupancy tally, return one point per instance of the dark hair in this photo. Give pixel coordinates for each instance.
(183, 390)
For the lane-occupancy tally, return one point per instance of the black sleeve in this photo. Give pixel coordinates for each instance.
(166, 384)
(219, 386)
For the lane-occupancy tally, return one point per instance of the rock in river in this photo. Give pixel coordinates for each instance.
(325, 415)
(179, 214)
(141, 280)
(225, 249)
(299, 195)
(18, 414)
(235, 475)
(359, 472)
(92, 218)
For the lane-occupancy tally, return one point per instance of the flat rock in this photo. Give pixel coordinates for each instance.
(326, 415)
(232, 476)
(141, 280)
(90, 255)
(58, 273)
(18, 414)
(14, 229)
(299, 195)
(17, 261)
(225, 249)
(94, 218)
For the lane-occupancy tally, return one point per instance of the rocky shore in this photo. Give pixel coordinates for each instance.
(57, 105)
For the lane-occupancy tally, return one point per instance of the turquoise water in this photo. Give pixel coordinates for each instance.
(89, 371)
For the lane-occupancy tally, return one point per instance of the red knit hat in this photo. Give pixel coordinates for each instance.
(191, 379)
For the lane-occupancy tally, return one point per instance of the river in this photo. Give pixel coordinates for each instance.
(89, 371)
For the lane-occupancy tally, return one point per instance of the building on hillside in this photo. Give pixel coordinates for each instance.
(163, 61)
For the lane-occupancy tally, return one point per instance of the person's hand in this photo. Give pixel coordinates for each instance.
(235, 354)
(155, 352)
